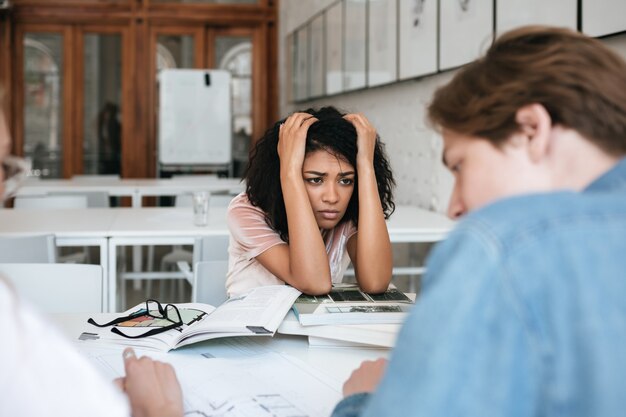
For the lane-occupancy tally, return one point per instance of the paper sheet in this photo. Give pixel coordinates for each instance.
(237, 379)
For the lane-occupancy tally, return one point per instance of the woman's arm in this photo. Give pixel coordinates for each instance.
(303, 263)
(370, 248)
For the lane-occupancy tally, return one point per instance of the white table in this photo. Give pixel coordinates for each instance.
(335, 363)
(136, 188)
(111, 228)
(174, 226)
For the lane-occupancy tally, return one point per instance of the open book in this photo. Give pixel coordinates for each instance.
(347, 304)
(258, 313)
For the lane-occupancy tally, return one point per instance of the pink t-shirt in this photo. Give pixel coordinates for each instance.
(250, 236)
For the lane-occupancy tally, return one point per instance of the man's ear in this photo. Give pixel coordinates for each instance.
(535, 124)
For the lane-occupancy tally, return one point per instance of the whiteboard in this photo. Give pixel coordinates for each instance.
(194, 117)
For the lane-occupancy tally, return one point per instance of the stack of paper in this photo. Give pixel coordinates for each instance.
(361, 335)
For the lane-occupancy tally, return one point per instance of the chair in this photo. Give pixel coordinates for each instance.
(95, 199)
(51, 202)
(46, 202)
(58, 288)
(212, 251)
(199, 177)
(31, 249)
(216, 200)
(89, 177)
(179, 254)
(209, 283)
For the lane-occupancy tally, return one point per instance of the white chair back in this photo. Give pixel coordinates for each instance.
(31, 249)
(194, 177)
(216, 200)
(209, 282)
(46, 202)
(209, 278)
(213, 248)
(95, 199)
(89, 177)
(58, 288)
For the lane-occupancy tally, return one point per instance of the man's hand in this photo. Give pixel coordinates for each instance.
(151, 386)
(365, 378)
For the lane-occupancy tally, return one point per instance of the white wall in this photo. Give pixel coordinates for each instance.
(397, 111)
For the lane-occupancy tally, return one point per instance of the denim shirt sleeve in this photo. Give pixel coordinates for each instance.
(351, 406)
(464, 348)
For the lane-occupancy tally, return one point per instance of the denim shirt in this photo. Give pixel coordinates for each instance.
(522, 313)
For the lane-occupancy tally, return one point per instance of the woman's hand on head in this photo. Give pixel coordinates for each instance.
(366, 137)
(292, 141)
(151, 386)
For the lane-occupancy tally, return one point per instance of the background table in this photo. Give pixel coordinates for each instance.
(134, 188)
(109, 229)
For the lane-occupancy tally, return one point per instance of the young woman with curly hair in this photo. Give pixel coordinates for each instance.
(318, 191)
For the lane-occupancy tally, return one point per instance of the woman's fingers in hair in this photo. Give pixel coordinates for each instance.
(297, 120)
(357, 118)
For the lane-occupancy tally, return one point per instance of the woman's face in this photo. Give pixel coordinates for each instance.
(329, 182)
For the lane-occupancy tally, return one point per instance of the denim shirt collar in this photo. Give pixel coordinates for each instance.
(612, 180)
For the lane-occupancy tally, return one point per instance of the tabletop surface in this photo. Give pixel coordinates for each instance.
(336, 362)
(178, 221)
(129, 186)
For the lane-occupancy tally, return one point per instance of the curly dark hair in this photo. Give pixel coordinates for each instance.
(331, 133)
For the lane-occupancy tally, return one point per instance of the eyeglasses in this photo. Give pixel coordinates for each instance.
(153, 310)
(14, 172)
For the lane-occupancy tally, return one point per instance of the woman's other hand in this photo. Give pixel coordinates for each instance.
(365, 378)
(366, 137)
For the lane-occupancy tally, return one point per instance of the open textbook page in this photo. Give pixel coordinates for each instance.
(257, 313)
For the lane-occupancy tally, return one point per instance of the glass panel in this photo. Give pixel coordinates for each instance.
(102, 128)
(316, 58)
(234, 53)
(43, 110)
(174, 51)
(302, 64)
(334, 51)
(205, 1)
(354, 44)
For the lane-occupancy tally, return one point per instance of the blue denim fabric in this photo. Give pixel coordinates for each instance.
(522, 313)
